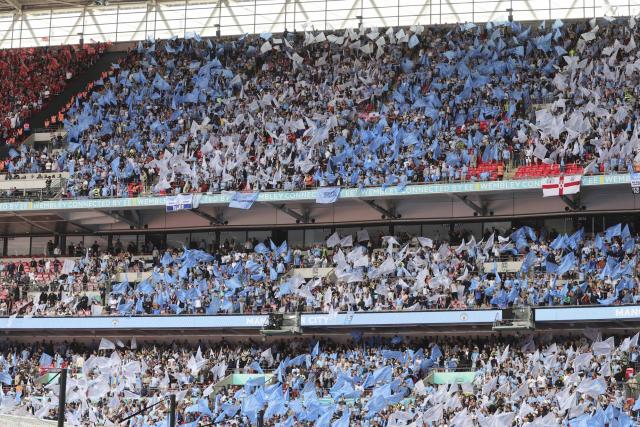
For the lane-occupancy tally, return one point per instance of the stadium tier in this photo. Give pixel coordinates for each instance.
(576, 381)
(358, 108)
(414, 226)
(345, 274)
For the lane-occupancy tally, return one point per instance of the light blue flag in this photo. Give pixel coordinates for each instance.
(45, 360)
(241, 200)
(325, 418)
(120, 288)
(343, 421)
(5, 378)
(528, 262)
(607, 301)
(380, 375)
(327, 195)
(435, 352)
(559, 242)
(599, 243)
(167, 259)
(256, 367)
(145, 287)
(613, 231)
(261, 249)
(568, 263)
(233, 283)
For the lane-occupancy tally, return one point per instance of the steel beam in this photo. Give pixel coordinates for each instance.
(574, 203)
(299, 217)
(388, 213)
(480, 210)
(14, 4)
(213, 220)
(123, 218)
(35, 224)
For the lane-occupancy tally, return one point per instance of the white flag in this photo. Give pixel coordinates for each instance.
(105, 344)
(425, 242)
(333, 240)
(347, 242)
(363, 236)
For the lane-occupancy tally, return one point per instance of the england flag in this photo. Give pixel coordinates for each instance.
(561, 185)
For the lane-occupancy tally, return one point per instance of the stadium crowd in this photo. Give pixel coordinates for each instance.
(31, 77)
(525, 381)
(348, 273)
(363, 107)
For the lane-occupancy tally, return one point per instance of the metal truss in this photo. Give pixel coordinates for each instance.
(22, 23)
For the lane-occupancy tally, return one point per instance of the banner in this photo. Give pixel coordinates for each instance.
(241, 200)
(327, 195)
(561, 185)
(179, 202)
(635, 183)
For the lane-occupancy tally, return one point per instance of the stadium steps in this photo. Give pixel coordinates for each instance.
(76, 85)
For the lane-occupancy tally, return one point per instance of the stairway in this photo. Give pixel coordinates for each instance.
(77, 84)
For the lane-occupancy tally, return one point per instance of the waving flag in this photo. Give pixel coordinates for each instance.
(561, 185)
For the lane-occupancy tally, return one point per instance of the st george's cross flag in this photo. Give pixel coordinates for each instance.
(561, 185)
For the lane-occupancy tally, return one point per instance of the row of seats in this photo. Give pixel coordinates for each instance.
(490, 168)
(543, 169)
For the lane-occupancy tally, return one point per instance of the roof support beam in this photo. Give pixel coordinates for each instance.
(386, 213)
(213, 220)
(14, 4)
(304, 217)
(133, 222)
(574, 203)
(35, 224)
(82, 227)
(480, 210)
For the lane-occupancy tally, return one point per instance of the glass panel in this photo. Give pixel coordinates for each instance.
(233, 239)
(307, 12)
(18, 246)
(316, 235)
(37, 30)
(203, 240)
(407, 231)
(469, 229)
(376, 233)
(259, 235)
(500, 226)
(132, 23)
(97, 244)
(125, 243)
(101, 25)
(236, 18)
(75, 241)
(177, 240)
(6, 24)
(436, 231)
(39, 245)
(295, 238)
